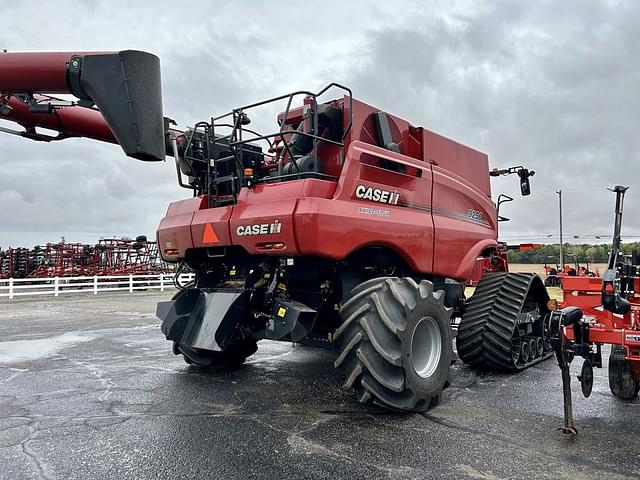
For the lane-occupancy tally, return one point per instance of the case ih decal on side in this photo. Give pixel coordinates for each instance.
(259, 229)
(377, 195)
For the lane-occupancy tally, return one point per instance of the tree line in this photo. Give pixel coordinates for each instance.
(550, 254)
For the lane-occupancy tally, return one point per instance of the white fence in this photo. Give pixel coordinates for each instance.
(20, 287)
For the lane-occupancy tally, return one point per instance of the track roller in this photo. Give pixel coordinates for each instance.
(525, 352)
(539, 347)
(533, 349)
(395, 343)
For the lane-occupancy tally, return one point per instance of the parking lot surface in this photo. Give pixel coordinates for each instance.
(89, 388)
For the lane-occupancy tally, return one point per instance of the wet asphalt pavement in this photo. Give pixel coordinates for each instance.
(90, 389)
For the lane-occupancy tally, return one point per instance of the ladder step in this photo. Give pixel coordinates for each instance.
(226, 201)
(226, 178)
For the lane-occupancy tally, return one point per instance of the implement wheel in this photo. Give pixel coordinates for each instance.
(622, 383)
(395, 343)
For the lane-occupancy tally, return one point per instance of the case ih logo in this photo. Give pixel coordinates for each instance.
(259, 229)
(377, 195)
(633, 338)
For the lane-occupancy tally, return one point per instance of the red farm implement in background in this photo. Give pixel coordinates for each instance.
(16, 263)
(118, 256)
(110, 256)
(554, 275)
(601, 311)
(63, 260)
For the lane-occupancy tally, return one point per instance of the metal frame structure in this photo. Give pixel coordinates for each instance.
(601, 311)
(110, 256)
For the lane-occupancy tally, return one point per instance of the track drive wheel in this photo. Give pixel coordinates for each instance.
(232, 357)
(622, 383)
(395, 343)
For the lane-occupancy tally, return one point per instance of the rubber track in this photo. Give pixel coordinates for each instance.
(485, 332)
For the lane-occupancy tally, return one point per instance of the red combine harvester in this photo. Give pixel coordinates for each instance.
(344, 227)
(600, 311)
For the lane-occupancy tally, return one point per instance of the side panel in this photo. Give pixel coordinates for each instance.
(465, 224)
(210, 227)
(258, 226)
(371, 206)
(262, 221)
(290, 190)
(460, 160)
(174, 236)
(336, 228)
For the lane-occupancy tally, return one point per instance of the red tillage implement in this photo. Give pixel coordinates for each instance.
(601, 311)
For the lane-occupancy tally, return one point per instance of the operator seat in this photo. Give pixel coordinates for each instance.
(301, 145)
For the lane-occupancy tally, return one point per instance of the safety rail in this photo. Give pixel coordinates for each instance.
(20, 287)
(208, 149)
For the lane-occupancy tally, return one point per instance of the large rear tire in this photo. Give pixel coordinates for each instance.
(395, 343)
(622, 383)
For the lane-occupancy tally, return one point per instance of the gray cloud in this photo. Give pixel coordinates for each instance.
(550, 85)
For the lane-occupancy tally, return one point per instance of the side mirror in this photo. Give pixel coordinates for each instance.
(525, 186)
(523, 173)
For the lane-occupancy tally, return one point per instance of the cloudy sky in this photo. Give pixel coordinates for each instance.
(551, 85)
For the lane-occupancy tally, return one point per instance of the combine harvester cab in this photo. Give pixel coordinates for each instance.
(346, 227)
